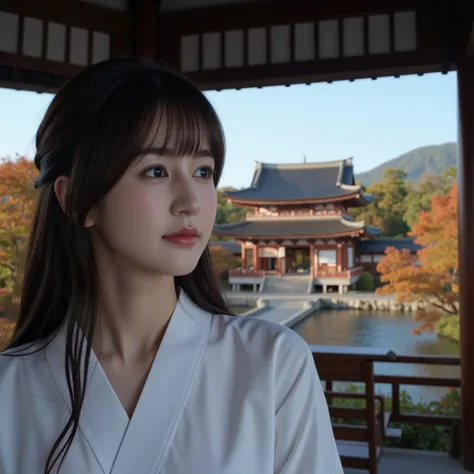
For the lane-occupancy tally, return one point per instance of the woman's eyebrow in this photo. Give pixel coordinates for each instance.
(163, 151)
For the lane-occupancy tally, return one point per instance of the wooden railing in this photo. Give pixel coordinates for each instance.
(267, 215)
(299, 213)
(243, 272)
(359, 446)
(342, 274)
(396, 381)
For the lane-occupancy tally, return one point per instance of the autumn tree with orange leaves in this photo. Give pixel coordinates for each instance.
(17, 201)
(223, 260)
(430, 276)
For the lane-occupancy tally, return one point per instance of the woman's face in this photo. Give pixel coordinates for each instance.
(159, 196)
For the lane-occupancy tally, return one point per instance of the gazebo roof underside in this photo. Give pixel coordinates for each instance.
(224, 44)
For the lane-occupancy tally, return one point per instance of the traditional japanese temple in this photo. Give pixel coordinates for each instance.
(300, 224)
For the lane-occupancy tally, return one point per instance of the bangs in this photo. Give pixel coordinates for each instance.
(186, 131)
(170, 112)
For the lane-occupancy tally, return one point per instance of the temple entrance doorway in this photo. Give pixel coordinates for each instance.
(298, 261)
(249, 259)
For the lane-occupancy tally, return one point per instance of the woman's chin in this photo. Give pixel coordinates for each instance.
(180, 266)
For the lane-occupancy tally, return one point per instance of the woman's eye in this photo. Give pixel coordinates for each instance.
(155, 172)
(205, 172)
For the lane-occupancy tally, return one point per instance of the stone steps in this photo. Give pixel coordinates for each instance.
(286, 285)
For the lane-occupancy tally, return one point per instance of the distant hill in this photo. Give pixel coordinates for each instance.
(434, 159)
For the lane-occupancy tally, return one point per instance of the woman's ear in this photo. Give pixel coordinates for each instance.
(60, 189)
(90, 219)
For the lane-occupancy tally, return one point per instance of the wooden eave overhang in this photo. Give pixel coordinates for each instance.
(289, 202)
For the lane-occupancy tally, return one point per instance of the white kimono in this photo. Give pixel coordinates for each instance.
(225, 395)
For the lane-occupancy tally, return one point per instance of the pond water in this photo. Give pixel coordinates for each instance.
(383, 330)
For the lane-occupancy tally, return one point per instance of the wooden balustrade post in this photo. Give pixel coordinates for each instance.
(395, 401)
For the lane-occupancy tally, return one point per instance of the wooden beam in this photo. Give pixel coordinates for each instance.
(17, 61)
(31, 80)
(145, 14)
(470, 43)
(465, 27)
(318, 71)
(434, 50)
(72, 12)
(18, 70)
(470, 40)
(279, 12)
(143, 35)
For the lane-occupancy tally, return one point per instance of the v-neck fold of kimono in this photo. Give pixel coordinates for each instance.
(224, 395)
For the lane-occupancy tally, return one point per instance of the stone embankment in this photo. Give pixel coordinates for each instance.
(293, 308)
(370, 305)
(364, 302)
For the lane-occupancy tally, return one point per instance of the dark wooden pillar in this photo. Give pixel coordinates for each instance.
(466, 253)
(145, 14)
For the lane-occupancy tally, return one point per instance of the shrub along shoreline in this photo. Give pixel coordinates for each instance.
(450, 327)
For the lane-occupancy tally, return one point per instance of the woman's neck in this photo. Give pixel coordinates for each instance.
(134, 310)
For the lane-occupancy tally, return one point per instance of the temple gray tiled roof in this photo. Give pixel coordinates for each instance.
(291, 228)
(299, 181)
(379, 245)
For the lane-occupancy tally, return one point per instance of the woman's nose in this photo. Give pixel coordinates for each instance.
(186, 200)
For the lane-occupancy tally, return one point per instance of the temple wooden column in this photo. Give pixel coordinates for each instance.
(466, 253)
(311, 259)
(242, 254)
(339, 257)
(344, 256)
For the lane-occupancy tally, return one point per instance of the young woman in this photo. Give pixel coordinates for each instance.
(125, 359)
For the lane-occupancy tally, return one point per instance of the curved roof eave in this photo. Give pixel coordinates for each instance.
(314, 200)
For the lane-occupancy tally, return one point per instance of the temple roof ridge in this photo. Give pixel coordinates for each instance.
(283, 182)
(305, 165)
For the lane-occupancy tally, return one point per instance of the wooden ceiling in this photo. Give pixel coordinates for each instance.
(227, 44)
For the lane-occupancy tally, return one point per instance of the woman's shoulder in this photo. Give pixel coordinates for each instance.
(28, 349)
(21, 358)
(259, 335)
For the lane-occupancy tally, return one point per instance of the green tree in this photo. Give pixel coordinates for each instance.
(419, 199)
(395, 191)
(227, 213)
(388, 207)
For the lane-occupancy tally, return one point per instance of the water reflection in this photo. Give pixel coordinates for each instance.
(383, 330)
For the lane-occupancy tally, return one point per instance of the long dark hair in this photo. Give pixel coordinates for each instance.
(91, 133)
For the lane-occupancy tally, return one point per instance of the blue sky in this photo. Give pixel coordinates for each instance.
(371, 121)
